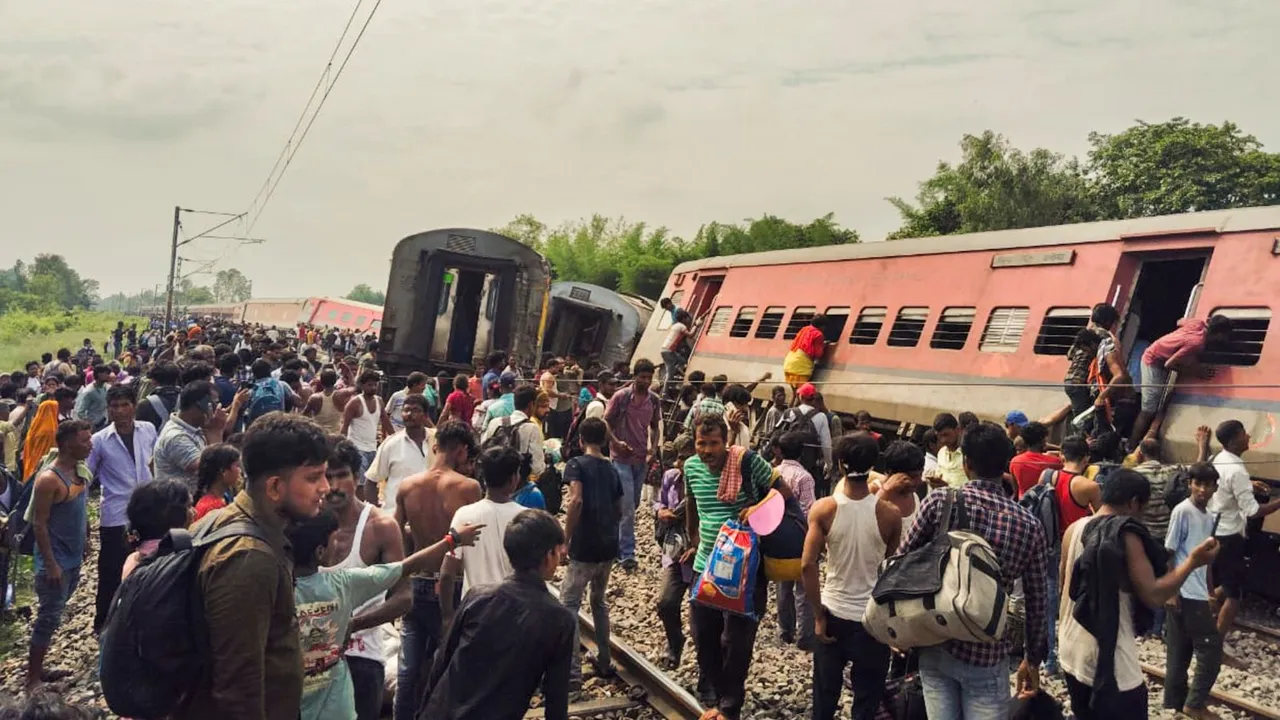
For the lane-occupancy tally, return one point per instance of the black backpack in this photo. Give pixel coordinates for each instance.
(795, 421)
(1179, 488)
(154, 648)
(507, 435)
(15, 529)
(1042, 502)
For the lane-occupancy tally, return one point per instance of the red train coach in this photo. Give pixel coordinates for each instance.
(342, 313)
(982, 321)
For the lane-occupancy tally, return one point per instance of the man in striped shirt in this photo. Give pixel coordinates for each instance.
(724, 641)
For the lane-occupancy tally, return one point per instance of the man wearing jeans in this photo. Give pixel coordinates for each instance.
(632, 417)
(60, 521)
(591, 526)
(967, 679)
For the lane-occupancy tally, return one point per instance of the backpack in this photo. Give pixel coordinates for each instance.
(507, 435)
(1104, 471)
(162, 410)
(155, 643)
(268, 396)
(1042, 502)
(781, 551)
(950, 589)
(1179, 488)
(16, 528)
(795, 421)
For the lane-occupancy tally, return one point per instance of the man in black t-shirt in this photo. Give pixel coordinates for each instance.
(591, 526)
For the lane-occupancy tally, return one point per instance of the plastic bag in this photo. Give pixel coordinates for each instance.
(729, 580)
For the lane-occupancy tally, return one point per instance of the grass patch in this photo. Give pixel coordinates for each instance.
(25, 336)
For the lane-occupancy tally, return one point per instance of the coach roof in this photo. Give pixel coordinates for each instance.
(1214, 221)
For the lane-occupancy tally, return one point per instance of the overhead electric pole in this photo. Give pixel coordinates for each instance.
(173, 266)
(174, 277)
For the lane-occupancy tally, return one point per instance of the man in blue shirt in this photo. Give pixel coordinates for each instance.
(120, 461)
(1191, 626)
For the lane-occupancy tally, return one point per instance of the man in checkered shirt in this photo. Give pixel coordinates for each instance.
(971, 680)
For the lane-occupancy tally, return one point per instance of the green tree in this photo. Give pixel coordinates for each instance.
(188, 293)
(366, 294)
(231, 286)
(996, 186)
(1180, 166)
(633, 257)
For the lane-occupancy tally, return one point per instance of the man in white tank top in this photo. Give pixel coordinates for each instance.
(1118, 680)
(857, 530)
(366, 536)
(326, 407)
(361, 419)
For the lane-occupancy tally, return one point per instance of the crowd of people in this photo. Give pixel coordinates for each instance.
(427, 521)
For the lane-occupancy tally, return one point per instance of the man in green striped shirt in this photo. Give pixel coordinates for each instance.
(724, 641)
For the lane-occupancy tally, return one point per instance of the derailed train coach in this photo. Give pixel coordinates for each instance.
(591, 322)
(983, 321)
(456, 295)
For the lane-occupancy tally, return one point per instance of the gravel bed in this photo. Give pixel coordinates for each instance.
(778, 686)
(74, 648)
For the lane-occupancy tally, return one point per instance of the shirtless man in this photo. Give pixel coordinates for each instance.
(425, 505)
(365, 536)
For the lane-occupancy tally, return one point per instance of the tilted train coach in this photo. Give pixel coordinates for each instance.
(983, 321)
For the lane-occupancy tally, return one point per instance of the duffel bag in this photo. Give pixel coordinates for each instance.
(949, 589)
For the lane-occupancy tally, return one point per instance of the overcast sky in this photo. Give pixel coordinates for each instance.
(468, 112)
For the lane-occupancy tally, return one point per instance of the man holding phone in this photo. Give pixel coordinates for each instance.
(200, 421)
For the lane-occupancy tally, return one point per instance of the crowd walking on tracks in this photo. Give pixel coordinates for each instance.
(354, 552)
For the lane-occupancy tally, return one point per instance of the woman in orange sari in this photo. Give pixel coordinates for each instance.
(806, 350)
(40, 437)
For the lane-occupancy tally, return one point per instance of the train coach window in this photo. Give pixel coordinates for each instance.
(1244, 347)
(1059, 329)
(719, 320)
(360, 320)
(837, 318)
(346, 317)
(742, 324)
(953, 328)
(333, 314)
(908, 327)
(1004, 329)
(770, 321)
(664, 317)
(799, 318)
(867, 329)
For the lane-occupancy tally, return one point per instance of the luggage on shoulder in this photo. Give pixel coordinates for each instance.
(154, 646)
(950, 589)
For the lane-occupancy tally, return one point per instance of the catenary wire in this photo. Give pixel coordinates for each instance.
(293, 150)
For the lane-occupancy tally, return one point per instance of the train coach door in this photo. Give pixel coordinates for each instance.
(465, 311)
(706, 288)
(1163, 288)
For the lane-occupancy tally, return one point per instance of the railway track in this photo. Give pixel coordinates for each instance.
(647, 684)
(1269, 634)
(1228, 700)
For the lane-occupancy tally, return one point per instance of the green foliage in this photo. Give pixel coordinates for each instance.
(632, 257)
(1180, 166)
(1149, 169)
(46, 285)
(231, 286)
(25, 335)
(995, 186)
(364, 293)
